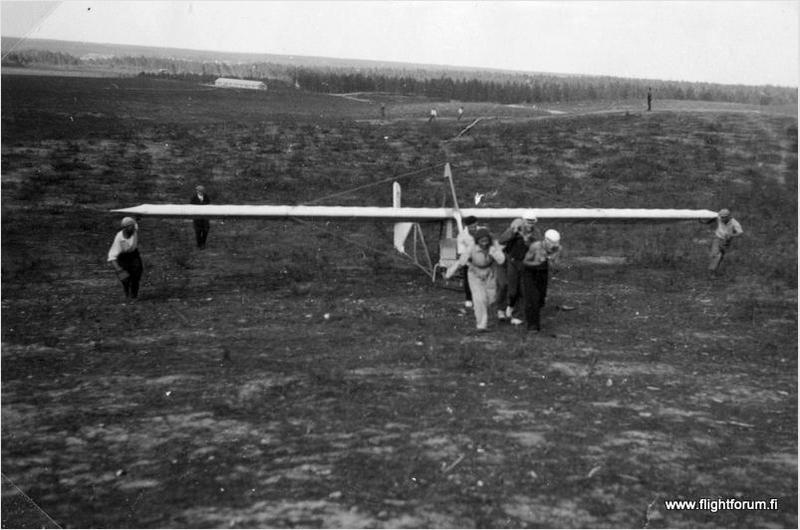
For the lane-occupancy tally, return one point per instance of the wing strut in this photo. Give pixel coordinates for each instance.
(456, 210)
(401, 232)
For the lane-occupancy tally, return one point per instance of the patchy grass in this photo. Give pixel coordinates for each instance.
(283, 378)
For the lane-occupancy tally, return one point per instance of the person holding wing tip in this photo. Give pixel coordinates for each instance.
(727, 229)
(480, 259)
(201, 226)
(124, 257)
(535, 275)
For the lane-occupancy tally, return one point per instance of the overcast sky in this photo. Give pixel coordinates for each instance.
(748, 42)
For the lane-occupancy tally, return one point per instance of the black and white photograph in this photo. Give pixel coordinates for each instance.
(399, 264)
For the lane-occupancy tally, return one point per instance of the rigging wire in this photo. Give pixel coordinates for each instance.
(391, 255)
(38, 508)
(384, 181)
(365, 186)
(33, 28)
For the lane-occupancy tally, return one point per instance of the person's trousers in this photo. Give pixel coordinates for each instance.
(502, 284)
(534, 288)
(718, 248)
(467, 290)
(131, 263)
(514, 290)
(483, 284)
(201, 228)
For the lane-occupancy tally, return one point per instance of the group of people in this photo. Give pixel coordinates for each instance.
(124, 252)
(434, 113)
(509, 274)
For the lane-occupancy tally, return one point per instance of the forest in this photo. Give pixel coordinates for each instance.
(438, 83)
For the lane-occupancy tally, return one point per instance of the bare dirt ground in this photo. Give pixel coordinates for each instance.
(285, 378)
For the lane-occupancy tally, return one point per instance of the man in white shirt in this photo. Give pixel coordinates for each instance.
(727, 229)
(124, 257)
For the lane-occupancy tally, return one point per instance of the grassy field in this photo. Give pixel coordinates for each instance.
(285, 377)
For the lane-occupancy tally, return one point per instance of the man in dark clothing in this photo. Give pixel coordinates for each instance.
(516, 239)
(201, 226)
(649, 99)
(534, 276)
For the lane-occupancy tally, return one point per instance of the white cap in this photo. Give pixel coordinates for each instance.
(552, 236)
(529, 217)
(127, 221)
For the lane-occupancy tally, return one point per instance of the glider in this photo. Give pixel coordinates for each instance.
(407, 219)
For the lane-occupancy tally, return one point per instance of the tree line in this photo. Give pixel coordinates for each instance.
(512, 87)
(442, 84)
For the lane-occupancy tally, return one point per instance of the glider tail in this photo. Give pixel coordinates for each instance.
(401, 230)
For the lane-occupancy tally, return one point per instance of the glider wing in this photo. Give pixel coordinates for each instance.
(406, 214)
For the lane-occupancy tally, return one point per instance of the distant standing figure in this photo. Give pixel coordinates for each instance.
(124, 256)
(534, 277)
(649, 99)
(727, 229)
(460, 113)
(201, 226)
(383, 110)
(480, 260)
(433, 114)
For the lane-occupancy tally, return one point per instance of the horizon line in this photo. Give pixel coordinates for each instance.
(387, 61)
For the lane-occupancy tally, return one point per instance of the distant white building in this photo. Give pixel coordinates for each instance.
(96, 57)
(226, 82)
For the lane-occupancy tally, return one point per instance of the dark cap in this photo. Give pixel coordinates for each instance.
(470, 220)
(482, 232)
